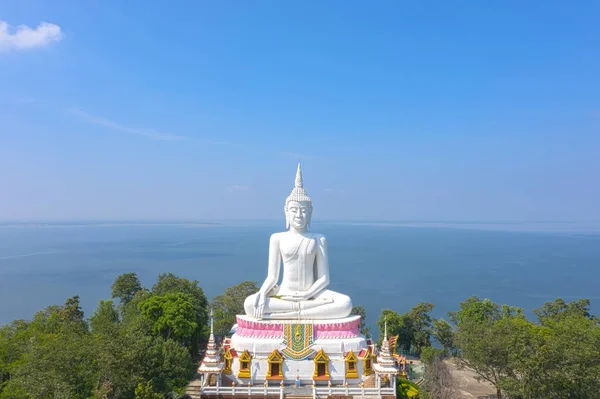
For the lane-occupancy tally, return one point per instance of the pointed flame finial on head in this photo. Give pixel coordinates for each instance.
(298, 193)
(299, 182)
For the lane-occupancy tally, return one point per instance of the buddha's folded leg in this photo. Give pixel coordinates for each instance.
(326, 305)
(336, 306)
(272, 305)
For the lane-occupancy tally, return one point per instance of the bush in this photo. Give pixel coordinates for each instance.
(406, 389)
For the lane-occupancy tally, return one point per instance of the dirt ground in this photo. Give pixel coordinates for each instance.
(468, 386)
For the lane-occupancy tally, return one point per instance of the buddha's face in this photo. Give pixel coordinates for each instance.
(298, 214)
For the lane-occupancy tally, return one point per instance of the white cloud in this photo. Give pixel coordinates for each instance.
(115, 126)
(23, 37)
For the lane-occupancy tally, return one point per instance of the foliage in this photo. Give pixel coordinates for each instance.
(172, 315)
(414, 328)
(406, 388)
(145, 390)
(125, 287)
(230, 304)
(105, 318)
(559, 309)
(145, 346)
(483, 336)
(362, 327)
(141, 352)
(558, 357)
(444, 334)
(168, 283)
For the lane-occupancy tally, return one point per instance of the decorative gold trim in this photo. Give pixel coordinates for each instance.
(245, 363)
(227, 361)
(351, 365)
(368, 362)
(275, 358)
(321, 358)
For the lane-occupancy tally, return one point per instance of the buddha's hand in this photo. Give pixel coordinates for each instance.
(259, 305)
(297, 297)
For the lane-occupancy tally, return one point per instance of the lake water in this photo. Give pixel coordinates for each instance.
(380, 265)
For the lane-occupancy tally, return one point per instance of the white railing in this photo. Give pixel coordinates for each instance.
(316, 391)
(241, 390)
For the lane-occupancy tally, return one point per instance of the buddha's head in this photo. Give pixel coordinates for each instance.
(298, 205)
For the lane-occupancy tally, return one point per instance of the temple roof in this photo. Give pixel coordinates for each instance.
(211, 361)
(385, 361)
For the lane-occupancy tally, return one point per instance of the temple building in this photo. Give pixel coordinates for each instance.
(297, 336)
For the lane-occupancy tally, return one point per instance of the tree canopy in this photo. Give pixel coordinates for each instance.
(146, 344)
(230, 304)
(144, 351)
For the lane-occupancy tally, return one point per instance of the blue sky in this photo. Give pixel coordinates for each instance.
(418, 110)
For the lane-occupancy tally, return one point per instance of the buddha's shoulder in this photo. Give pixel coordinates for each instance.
(276, 237)
(320, 238)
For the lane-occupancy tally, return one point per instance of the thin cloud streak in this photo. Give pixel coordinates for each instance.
(126, 129)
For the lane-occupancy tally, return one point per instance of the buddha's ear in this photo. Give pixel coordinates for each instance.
(287, 221)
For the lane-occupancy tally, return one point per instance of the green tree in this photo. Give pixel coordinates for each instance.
(362, 327)
(72, 316)
(484, 335)
(105, 318)
(57, 359)
(169, 283)
(57, 355)
(558, 309)
(557, 359)
(230, 304)
(396, 325)
(14, 340)
(421, 323)
(414, 328)
(125, 287)
(444, 334)
(172, 315)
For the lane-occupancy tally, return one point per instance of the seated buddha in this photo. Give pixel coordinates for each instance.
(300, 258)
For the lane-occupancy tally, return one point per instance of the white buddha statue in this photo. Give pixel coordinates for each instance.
(303, 292)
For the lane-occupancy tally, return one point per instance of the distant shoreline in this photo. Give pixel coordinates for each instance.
(568, 227)
(104, 224)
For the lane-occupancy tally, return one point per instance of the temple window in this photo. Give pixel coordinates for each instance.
(321, 366)
(245, 359)
(227, 360)
(351, 370)
(275, 371)
(367, 359)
